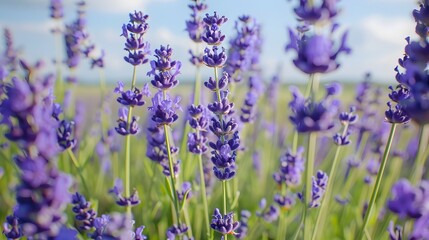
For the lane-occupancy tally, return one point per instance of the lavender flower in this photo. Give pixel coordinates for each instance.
(316, 53)
(186, 191)
(85, 215)
(116, 226)
(164, 69)
(10, 53)
(64, 134)
(212, 34)
(291, 168)
(223, 224)
(244, 48)
(285, 202)
(11, 228)
(269, 214)
(131, 97)
(407, 200)
(309, 115)
(175, 230)
(121, 200)
(243, 228)
(164, 109)
(123, 127)
(133, 33)
(56, 7)
(319, 184)
(199, 121)
(309, 12)
(421, 228)
(195, 26)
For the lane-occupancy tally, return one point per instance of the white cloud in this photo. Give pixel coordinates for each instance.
(122, 6)
(388, 29)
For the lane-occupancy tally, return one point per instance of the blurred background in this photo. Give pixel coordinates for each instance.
(377, 29)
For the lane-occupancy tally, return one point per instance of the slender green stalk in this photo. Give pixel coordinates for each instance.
(79, 170)
(378, 181)
(204, 195)
(312, 138)
(419, 163)
(128, 147)
(172, 177)
(325, 202)
(225, 210)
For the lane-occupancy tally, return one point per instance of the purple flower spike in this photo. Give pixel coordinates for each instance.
(164, 110)
(397, 115)
(56, 7)
(121, 200)
(212, 34)
(223, 81)
(399, 94)
(318, 189)
(64, 134)
(407, 200)
(291, 168)
(85, 215)
(241, 231)
(195, 26)
(164, 69)
(309, 115)
(316, 54)
(213, 58)
(310, 13)
(223, 224)
(176, 230)
(133, 33)
(11, 228)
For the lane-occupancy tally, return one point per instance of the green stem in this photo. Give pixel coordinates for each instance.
(325, 202)
(312, 138)
(419, 163)
(79, 170)
(128, 148)
(378, 180)
(225, 210)
(172, 177)
(204, 195)
(217, 85)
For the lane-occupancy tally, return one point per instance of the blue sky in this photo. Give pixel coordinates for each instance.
(377, 29)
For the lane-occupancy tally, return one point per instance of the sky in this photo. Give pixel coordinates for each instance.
(376, 28)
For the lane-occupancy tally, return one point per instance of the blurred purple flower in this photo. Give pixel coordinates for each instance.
(309, 115)
(307, 11)
(316, 53)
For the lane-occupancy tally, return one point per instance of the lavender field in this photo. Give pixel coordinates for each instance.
(233, 152)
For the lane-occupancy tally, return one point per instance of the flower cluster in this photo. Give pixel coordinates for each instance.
(411, 202)
(414, 103)
(244, 48)
(164, 108)
(42, 192)
(121, 200)
(116, 226)
(85, 215)
(347, 119)
(133, 33)
(243, 228)
(195, 28)
(176, 230)
(316, 53)
(213, 37)
(291, 168)
(318, 189)
(224, 224)
(10, 55)
(198, 120)
(309, 115)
